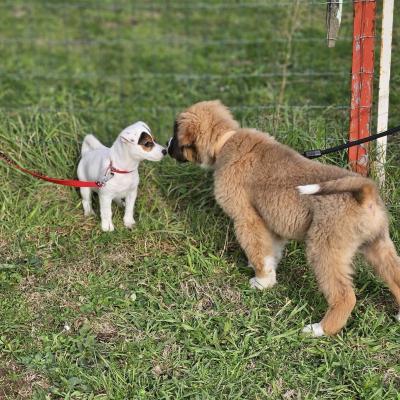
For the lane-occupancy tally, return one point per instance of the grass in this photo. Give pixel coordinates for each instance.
(165, 311)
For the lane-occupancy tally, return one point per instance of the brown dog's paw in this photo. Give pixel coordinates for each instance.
(314, 330)
(263, 283)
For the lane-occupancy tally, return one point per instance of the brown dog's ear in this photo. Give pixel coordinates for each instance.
(188, 127)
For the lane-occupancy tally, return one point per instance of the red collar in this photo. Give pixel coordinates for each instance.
(117, 171)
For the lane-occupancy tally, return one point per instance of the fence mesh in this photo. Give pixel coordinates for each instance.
(110, 63)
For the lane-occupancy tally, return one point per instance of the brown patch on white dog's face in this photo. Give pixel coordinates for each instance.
(197, 130)
(146, 141)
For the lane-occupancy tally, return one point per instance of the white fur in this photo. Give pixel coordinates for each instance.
(397, 316)
(169, 142)
(309, 189)
(315, 330)
(270, 279)
(263, 283)
(269, 264)
(125, 154)
(205, 166)
(278, 246)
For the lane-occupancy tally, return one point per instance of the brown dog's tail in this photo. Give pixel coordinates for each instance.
(363, 189)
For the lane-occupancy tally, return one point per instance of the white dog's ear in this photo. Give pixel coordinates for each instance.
(125, 140)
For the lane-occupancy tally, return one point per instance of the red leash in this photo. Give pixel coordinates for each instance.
(64, 182)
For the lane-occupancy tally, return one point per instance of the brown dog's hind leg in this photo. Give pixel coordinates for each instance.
(381, 254)
(331, 260)
(259, 246)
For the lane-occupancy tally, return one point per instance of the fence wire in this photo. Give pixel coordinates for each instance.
(108, 62)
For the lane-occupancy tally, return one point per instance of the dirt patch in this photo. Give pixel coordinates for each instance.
(119, 256)
(126, 254)
(20, 11)
(65, 294)
(164, 366)
(207, 294)
(104, 329)
(5, 251)
(15, 383)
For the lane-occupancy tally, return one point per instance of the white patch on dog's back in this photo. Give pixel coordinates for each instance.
(309, 189)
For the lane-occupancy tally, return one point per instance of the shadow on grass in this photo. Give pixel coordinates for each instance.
(189, 191)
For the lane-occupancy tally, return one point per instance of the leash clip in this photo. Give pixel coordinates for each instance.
(312, 153)
(102, 182)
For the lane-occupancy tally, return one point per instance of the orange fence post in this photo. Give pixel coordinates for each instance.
(362, 72)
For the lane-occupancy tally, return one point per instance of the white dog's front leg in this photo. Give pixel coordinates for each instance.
(86, 194)
(105, 213)
(130, 199)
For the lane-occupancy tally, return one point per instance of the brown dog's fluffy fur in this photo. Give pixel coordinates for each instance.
(256, 180)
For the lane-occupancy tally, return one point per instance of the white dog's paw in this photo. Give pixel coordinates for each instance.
(263, 283)
(89, 212)
(397, 316)
(87, 208)
(129, 223)
(107, 226)
(314, 330)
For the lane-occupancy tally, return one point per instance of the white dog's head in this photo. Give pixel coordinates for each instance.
(140, 143)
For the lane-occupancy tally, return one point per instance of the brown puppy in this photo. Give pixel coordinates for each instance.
(273, 194)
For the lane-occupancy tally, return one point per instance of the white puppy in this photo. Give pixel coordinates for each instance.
(117, 168)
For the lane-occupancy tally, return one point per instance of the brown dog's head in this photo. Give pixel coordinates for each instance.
(198, 132)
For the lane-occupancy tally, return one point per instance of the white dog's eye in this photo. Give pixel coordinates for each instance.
(146, 141)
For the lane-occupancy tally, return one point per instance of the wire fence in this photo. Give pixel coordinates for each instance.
(176, 5)
(111, 62)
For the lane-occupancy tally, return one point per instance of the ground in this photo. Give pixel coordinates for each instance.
(165, 311)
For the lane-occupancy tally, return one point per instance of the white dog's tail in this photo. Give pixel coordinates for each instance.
(90, 143)
(363, 189)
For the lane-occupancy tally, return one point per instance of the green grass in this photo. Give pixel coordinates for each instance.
(165, 311)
